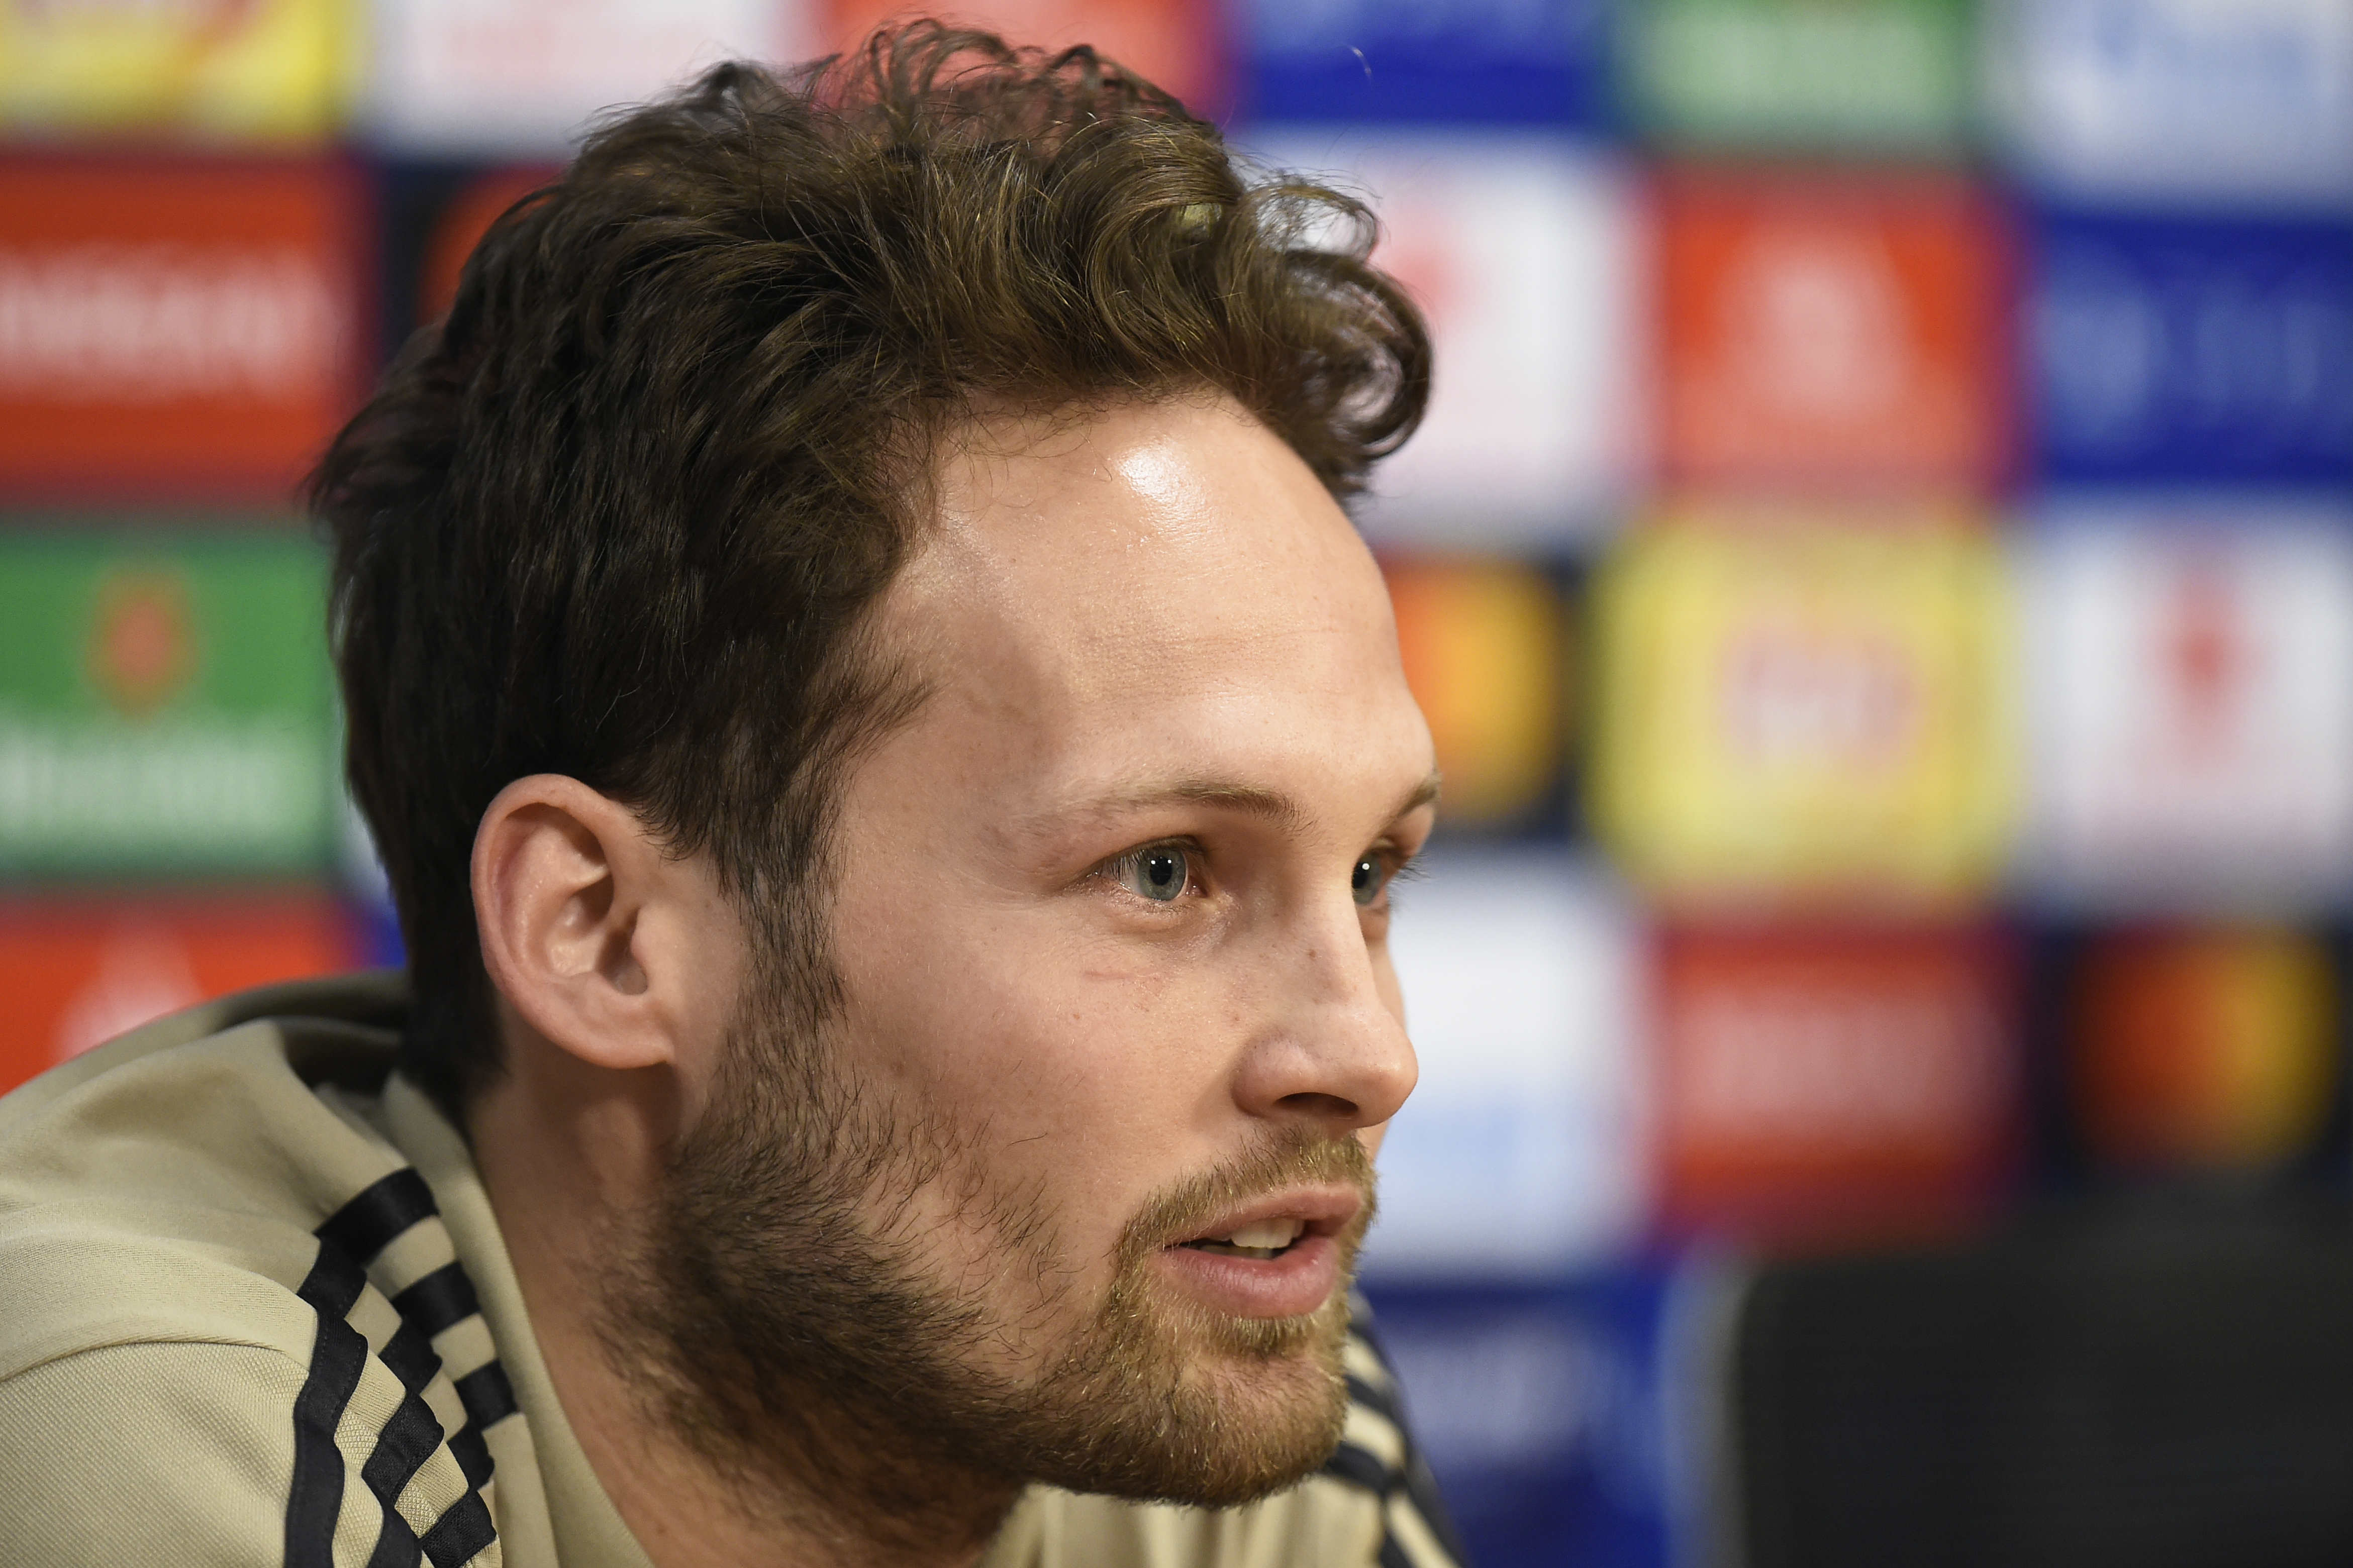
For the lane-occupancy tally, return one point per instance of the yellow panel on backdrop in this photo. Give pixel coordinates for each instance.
(270, 71)
(1797, 706)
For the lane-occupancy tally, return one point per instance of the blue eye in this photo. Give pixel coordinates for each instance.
(1365, 882)
(1160, 872)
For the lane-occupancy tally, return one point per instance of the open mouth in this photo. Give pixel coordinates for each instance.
(1260, 1239)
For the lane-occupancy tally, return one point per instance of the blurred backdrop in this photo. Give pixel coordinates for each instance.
(1879, 566)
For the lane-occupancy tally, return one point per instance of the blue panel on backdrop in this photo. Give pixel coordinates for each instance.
(1484, 61)
(1543, 1409)
(2207, 351)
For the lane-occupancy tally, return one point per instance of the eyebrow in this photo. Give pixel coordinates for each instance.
(1270, 805)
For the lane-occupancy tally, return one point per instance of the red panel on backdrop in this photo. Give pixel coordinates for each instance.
(1831, 329)
(1177, 45)
(78, 971)
(180, 328)
(1827, 1085)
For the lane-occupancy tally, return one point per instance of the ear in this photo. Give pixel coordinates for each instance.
(598, 941)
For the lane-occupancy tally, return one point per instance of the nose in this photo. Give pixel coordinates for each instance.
(1332, 1048)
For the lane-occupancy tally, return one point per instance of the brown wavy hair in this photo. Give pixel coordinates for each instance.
(620, 513)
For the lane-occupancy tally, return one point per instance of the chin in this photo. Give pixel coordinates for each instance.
(1280, 1417)
(1244, 1450)
(1219, 1412)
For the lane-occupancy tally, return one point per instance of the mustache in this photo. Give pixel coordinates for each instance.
(1300, 1156)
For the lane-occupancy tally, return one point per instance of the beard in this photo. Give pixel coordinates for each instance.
(776, 1310)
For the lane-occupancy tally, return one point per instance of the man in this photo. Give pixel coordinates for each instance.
(892, 759)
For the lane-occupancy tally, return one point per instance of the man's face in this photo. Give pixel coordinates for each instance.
(1118, 1027)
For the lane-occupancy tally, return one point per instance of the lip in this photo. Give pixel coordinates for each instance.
(1295, 1283)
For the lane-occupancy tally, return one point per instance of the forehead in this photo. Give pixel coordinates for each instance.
(1169, 564)
(1036, 515)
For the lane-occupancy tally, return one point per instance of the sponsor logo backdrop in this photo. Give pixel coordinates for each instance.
(1879, 569)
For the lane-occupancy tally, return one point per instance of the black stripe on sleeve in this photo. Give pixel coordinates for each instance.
(472, 1452)
(488, 1399)
(407, 1441)
(411, 1356)
(396, 1543)
(461, 1533)
(1375, 1400)
(333, 1285)
(1360, 1329)
(1421, 1489)
(1359, 1467)
(486, 1394)
(442, 1297)
(1414, 1479)
(369, 1223)
(338, 1356)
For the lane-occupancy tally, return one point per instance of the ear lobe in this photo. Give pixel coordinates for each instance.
(562, 876)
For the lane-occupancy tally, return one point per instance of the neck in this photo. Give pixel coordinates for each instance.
(701, 1480)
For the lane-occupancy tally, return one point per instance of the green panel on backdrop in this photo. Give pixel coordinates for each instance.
(1863, 75)
(166, 707)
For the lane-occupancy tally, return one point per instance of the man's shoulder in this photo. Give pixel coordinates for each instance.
(168, 1186)
(228, 1308)
(316, 1426)
(148, 1451)
(335, 1029)
(1374, 1502)
(77, 1276)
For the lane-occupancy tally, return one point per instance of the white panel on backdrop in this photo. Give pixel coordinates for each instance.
(522, 77)
(1522, 251)
(1517, 1154)
(2228, 99)
(2192, 705)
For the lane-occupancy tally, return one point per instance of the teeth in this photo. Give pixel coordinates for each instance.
(1261, 1239)
(1271, 1235)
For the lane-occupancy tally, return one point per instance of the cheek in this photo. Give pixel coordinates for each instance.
(1098, 1085)
(1103, 1060)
